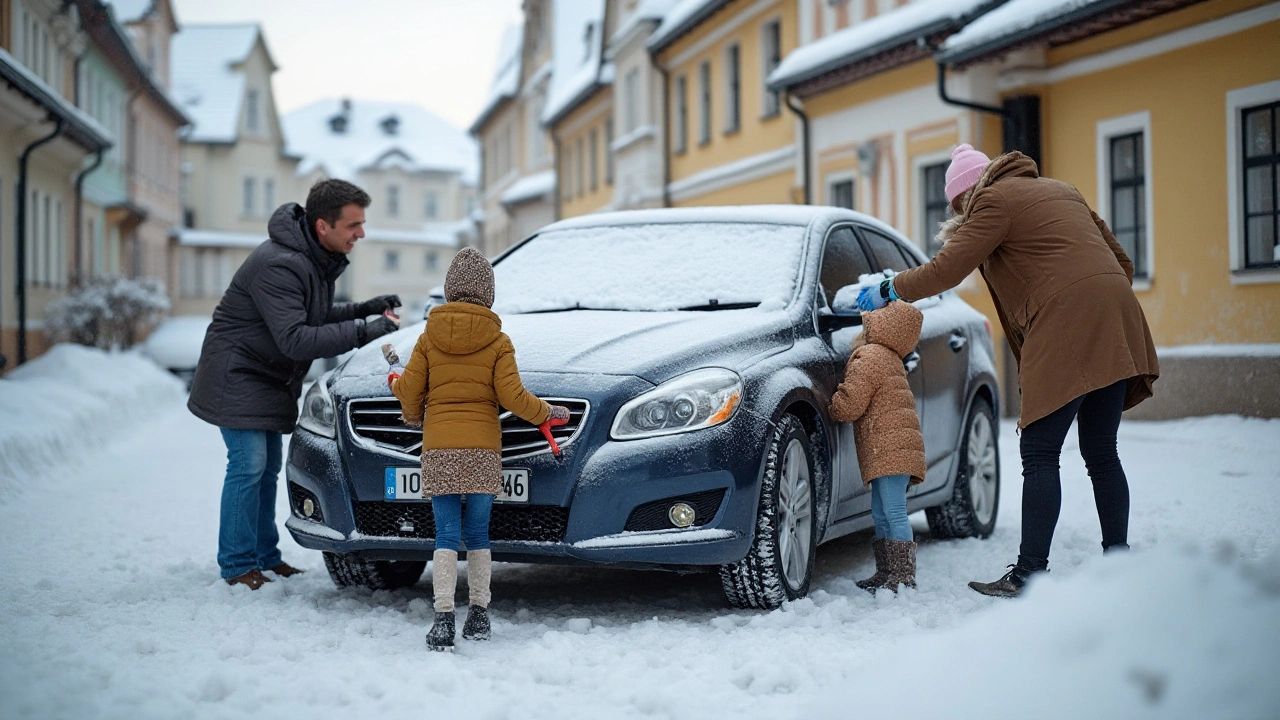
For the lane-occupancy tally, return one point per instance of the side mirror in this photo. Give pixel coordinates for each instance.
(829, 322)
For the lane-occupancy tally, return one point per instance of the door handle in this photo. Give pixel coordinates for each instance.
(957, 342)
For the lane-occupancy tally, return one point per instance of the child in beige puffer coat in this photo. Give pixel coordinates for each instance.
(876, 398)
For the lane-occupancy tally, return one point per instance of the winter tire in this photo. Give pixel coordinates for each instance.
(351, 571)
(975, 499)
(779, 564)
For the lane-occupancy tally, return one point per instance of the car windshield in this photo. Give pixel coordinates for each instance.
(648, 268)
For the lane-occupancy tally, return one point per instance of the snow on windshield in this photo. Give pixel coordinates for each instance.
(652, 268)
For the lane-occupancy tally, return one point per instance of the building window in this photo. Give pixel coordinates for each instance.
(249, 198)
(251, 122)
(268, 195)
(704, 102)
(608, 150)
(933, 181)
(840, 193)
(566, 174)
(581, 156)
(631, 90)
(733, 89)
(1260, 133)
(432, 208)
(432, 260)
(681, 103)
(593, 159)
(392, 263)
(1127, 196)
(393, 200)
(772, 55)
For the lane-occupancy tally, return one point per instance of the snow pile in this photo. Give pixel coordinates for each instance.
(1010, 19)
(67, 403)
(1173, 633)
(652, 267)
(864, 39)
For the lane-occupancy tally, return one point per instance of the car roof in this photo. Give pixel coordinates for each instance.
(800, 215)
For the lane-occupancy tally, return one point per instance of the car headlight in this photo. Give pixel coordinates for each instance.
(699, 399)
(318, 414)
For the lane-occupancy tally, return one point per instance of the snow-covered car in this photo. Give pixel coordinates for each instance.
(175, 344)
(697, 350)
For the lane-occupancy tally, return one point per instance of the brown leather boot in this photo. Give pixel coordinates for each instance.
(286, 570)
(882, 568)
(254, 579)
(901, 556)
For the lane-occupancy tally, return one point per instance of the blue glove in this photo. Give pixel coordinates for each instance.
(876, 297)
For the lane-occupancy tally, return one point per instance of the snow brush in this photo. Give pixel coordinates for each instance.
(393, 360)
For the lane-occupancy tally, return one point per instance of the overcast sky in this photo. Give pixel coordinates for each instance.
(441, 54)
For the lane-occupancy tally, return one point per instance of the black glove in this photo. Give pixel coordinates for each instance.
(367, 332)
(377, 306)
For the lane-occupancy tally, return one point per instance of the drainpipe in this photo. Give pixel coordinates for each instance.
(804, 133)
(131, 131)
(21, 237)
(666, 132)
(1020, 116)
(78, 275)
(942, 94)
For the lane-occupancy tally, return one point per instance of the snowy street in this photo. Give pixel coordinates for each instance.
(112, 605)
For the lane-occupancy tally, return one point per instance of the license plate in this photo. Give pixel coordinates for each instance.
(406, 484)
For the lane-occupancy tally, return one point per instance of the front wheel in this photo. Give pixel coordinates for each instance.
(351, 571)
(971, 511)
(779, 564)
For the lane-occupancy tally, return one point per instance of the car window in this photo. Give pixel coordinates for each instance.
(884, 252)
(842, 262)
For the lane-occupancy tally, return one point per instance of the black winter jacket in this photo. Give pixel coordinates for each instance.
(274, 320)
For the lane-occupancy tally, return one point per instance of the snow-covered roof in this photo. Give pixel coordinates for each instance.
(646, 11)
(1015, 19)
(530, 187)
(865, 39)
(206, 84)
(576, 50)
(188, 237)
(439, 234)
(127, 11)
(507, 80)
(681, 18)
(78, 125)
(376, 134)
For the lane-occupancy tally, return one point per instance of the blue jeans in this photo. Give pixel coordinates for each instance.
(889, 507)
(247, 535)
(452, 525)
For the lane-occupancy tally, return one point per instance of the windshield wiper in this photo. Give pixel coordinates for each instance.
(570, 308)
(714, 304)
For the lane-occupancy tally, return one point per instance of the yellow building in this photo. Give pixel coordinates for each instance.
(731, 139)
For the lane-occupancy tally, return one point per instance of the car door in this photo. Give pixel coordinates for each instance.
(843, 261)
(938, 382)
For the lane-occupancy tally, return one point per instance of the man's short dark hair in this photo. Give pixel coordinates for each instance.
(327, 198)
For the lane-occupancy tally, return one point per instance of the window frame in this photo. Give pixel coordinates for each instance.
(839, 178)
(924, 234)
(248, 196)
(770, 58)
(608, 151)
(680, 90)
(704, 103)
(1118, 127)
(1273, 162)
(732, 88)
(391, 260)
(393, 201)
(1236, 101)
(593, 159)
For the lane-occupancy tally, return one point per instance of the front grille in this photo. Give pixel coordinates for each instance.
(376, 424)
(531, 523)
(653, 516)
(297, 494)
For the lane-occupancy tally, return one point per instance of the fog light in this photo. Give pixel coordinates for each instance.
(682, 515)
(308, 507)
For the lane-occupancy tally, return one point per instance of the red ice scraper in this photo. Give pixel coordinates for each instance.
(545, 427)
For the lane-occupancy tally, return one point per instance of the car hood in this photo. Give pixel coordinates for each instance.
(654, 346)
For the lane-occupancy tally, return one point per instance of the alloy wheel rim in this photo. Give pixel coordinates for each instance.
(981, 454)
(795, 513)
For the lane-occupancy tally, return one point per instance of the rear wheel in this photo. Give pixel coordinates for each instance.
(779, 564)
(975, 499)
(351, 571)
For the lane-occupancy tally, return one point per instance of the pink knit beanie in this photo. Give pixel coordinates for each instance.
(966, 167)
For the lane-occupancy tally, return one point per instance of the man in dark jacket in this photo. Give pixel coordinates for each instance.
(276, 317)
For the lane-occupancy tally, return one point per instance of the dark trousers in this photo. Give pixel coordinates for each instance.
(1098, 415)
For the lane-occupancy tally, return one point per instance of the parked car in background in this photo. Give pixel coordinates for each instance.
(697, 351)
(175, 344)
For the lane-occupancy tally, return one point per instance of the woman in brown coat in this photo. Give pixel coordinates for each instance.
(463, 367)
(1062, 288)
(877, 399)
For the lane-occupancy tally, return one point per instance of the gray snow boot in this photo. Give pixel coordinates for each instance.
(882, 568)
(440, 637)
(1009, 586)
(477, 625)
(901, 555)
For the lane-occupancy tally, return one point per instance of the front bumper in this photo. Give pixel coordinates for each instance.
(600, 482)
